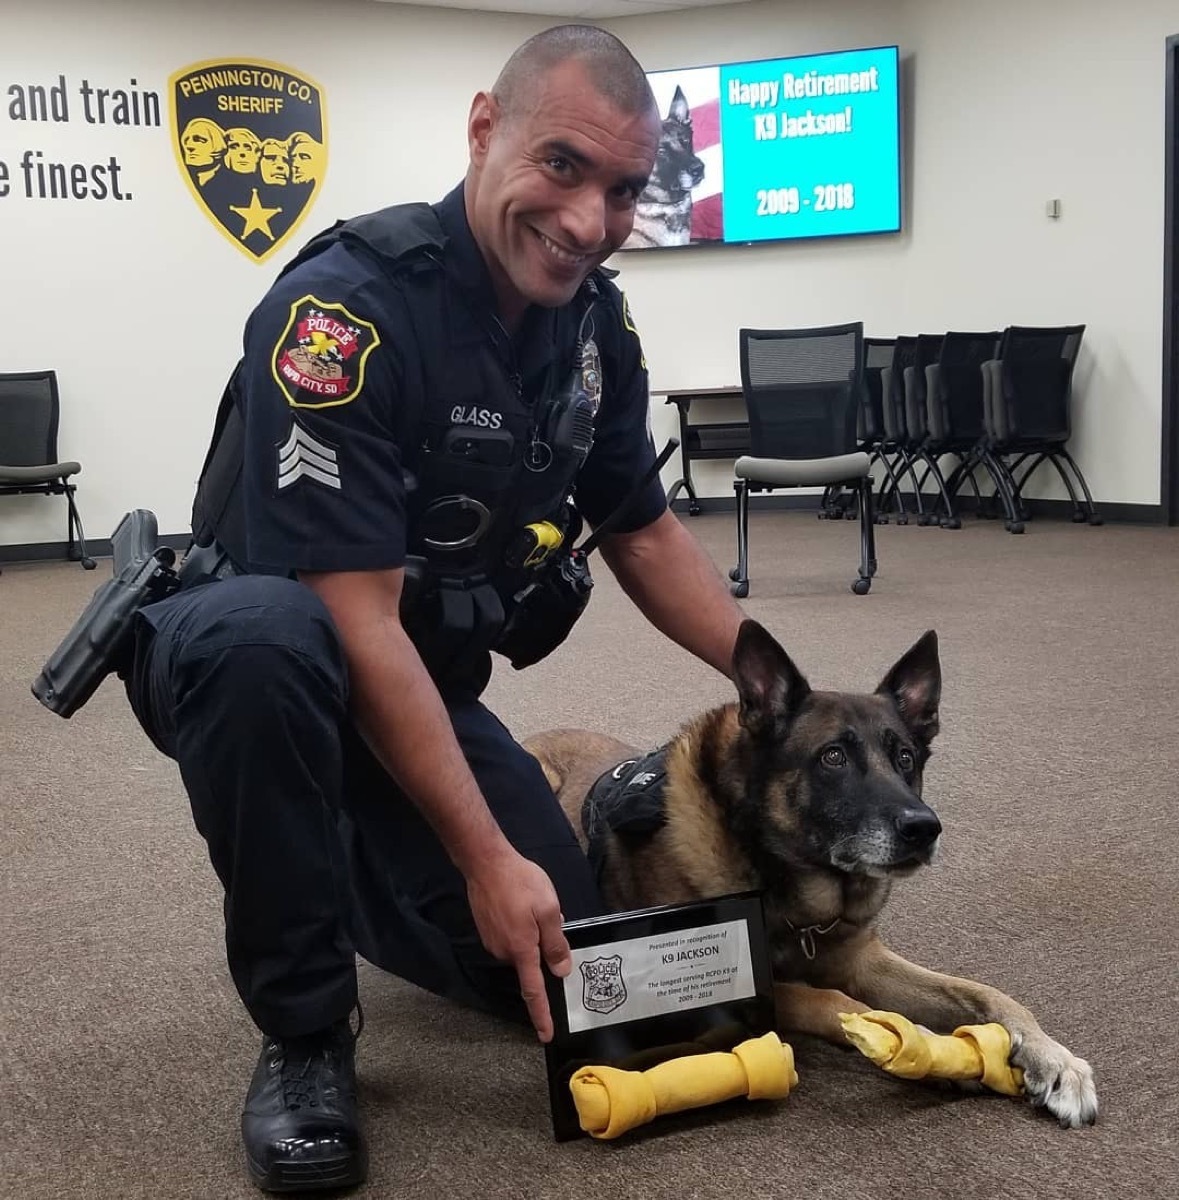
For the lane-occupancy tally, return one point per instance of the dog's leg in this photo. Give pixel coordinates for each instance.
(803, 1009)
(1053, 1077)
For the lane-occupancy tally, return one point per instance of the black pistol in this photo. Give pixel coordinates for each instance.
(99, 641)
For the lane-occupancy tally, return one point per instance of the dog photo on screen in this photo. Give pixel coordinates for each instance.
(663, 214)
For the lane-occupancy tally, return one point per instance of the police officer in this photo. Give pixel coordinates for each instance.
(430, 401)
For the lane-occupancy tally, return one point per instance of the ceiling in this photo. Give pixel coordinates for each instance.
(592, 10)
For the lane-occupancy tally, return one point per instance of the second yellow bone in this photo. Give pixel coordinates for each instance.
(901, 1048)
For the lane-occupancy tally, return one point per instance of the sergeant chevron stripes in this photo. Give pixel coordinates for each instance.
(301, 454)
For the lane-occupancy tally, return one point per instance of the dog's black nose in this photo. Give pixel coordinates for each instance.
(919, 826)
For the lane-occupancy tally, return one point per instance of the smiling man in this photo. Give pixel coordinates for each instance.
(432, 403)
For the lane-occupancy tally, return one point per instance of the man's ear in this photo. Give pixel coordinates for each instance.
(770, 686)
(481, 122)
(915, 685)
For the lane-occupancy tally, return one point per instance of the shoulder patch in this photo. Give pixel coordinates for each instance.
(629, 322)
(319, 359)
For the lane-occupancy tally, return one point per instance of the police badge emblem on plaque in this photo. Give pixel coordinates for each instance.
(604, 988)
(251, 140)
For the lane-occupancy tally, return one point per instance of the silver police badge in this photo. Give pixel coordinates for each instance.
(591, 373)
(603, 989)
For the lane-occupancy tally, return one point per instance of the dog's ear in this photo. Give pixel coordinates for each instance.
(679, 110)
(771, 687)
(915, 685)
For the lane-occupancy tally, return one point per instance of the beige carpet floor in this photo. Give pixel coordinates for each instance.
(124, 1053)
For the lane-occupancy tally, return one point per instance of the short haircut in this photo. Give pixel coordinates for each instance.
(613, 70)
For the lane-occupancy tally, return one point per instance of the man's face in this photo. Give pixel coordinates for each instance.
(241, 151)
(304, 162)
(274, 165)
(551, 192)
(197, 146)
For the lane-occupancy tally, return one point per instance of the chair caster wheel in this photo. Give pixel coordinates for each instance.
(1014, 526)
(1079, 517)
(861, 586)
(952, 523)
(902, 520)
(734, 574)
(1095, 520)
(882, 520)
(694, 509)
(740, 589)
(88, 564)
(926, 519)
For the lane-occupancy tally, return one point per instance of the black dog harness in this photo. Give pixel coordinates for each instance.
(627, 800)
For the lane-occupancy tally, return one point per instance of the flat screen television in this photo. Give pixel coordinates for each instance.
(775, 149)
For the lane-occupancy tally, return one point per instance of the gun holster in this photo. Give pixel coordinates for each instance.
(100, 640)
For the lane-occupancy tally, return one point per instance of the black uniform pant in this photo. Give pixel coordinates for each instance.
(244, 683)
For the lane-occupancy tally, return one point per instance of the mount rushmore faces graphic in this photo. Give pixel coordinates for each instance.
(251, 141)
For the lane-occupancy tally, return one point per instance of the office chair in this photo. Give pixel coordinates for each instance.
(1028, 390)
(28, 450)
(803, 390)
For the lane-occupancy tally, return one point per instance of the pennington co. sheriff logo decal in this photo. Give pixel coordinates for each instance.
(319, 359)
(251, 140)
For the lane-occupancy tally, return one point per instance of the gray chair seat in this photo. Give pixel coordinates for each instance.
(802, 472)
(46, 474)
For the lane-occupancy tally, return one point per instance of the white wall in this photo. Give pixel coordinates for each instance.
(139, 305)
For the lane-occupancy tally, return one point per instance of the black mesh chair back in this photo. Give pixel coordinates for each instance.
(925, 354)
(802, 390)
(1036, 382)
(28, 419)
(904, 354)
(960, 386)
(878, 354)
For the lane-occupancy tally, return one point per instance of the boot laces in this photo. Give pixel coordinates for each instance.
(301, 1057)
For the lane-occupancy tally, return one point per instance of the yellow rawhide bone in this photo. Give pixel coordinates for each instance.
(898, 1046)
(610, 1101)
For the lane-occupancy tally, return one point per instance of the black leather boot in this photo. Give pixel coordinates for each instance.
(299, 1125)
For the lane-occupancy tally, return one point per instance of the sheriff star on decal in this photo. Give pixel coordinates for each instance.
(256, 216)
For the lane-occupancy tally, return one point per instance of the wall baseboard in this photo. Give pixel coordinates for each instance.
(95, 547)
(1114, 514)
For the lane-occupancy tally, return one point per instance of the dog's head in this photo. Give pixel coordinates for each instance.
(677, 170)
(833, 779)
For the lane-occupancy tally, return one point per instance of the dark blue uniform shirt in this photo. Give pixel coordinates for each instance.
(332, 387)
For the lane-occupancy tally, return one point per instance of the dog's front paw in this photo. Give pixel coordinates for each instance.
(1056, 1080)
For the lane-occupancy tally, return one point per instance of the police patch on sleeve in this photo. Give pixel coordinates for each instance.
(319, 359)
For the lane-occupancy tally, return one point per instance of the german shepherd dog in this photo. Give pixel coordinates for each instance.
(663, 214)
(814, 799)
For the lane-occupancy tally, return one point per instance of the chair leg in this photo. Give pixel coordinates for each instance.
(740, 573)
(867, 539)
(1094, 517)
(75, 552)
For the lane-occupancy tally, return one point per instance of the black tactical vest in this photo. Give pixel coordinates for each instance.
(470, 490)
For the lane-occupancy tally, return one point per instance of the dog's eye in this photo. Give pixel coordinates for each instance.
(906, 759)
(834, 756)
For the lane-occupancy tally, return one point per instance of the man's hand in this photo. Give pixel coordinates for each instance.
(518, 916)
